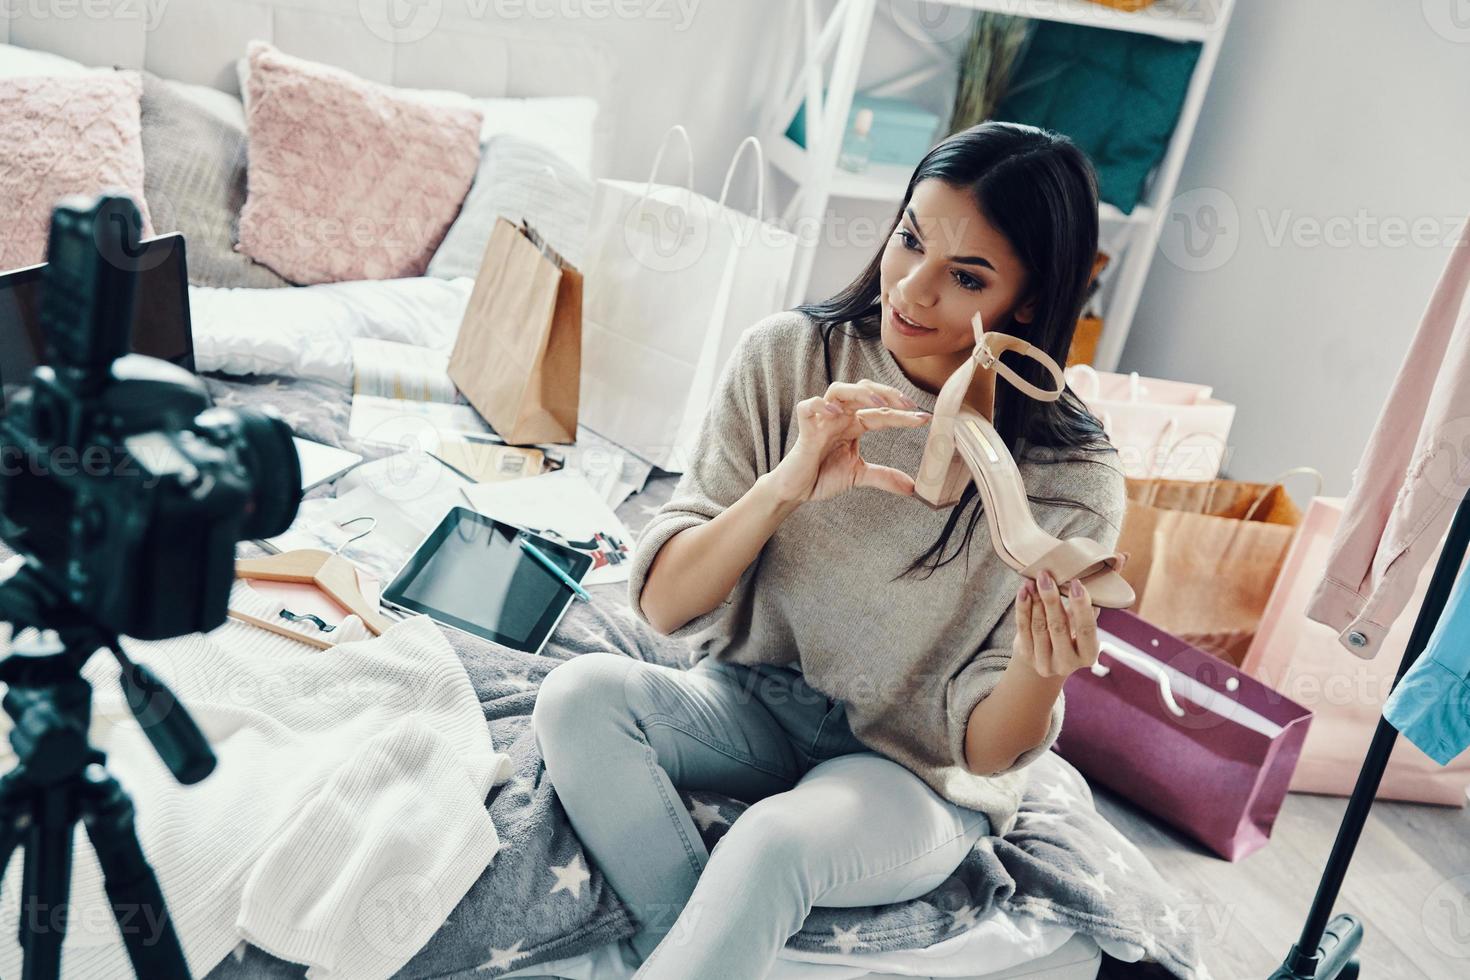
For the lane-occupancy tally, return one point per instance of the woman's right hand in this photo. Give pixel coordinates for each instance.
(825, 460)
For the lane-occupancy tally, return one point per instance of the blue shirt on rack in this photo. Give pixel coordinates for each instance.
(1431, 704)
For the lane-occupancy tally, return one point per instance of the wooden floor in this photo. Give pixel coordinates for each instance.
(1409, 883)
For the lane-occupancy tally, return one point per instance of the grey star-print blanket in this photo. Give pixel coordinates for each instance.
(542, 899)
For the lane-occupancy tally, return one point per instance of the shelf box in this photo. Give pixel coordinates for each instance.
(902, 131)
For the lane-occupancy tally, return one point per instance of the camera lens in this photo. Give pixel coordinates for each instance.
(269, 456)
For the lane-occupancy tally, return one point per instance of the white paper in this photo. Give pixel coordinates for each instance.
(320, 463)
(562, 506)
(397, 500)
(613, 471)
(413, 426)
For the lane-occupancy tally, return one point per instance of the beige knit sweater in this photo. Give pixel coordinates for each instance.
(911, 658)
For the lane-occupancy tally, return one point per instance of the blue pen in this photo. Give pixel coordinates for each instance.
(566, 579)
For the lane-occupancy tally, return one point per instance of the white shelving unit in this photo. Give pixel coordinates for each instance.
(841, 39)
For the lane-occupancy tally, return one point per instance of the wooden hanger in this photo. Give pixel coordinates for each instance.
(280, 629)
(327, 570)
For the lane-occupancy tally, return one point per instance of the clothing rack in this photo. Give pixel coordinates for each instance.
(1325, 949)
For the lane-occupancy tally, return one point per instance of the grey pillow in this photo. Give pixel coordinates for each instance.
(194, 165)
(517, 178)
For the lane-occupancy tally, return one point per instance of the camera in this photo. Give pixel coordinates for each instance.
(121, 481)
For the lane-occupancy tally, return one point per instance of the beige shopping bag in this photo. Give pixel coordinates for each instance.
(518, 357)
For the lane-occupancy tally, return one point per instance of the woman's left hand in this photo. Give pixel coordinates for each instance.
(1053, 639)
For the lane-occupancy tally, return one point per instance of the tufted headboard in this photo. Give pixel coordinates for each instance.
(463, 45)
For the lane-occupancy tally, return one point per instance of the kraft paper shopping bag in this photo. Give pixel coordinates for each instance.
(1203, 556)
(518, 356)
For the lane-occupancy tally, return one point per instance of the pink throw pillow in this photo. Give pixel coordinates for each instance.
(348, 180)
(64, 135)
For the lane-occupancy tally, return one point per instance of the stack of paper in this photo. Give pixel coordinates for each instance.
(402, 397)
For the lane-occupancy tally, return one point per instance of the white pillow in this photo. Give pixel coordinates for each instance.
(307, 332)
(566, 124)
(18, 62)
(563, 124)
(518, 178)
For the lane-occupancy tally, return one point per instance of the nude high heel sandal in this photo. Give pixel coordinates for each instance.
(963, 444)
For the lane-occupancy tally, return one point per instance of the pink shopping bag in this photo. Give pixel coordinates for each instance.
(1304, 660)
(1182, 734)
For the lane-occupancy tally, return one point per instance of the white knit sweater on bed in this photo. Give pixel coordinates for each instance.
(345, 819)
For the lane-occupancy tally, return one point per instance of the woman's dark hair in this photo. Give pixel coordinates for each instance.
(1039, 190)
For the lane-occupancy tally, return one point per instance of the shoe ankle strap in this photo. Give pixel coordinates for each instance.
(992, 345)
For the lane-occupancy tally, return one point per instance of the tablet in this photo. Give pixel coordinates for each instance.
(471, 574)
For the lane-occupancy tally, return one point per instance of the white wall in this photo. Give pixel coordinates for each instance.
(706, 74)
(703, 63)
(1346, 119)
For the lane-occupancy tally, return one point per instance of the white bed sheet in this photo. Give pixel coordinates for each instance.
(999, 942)
(307, 331)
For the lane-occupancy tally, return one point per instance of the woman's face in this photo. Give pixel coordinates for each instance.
(944, 262)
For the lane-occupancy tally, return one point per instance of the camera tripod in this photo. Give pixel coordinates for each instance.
(61, 779)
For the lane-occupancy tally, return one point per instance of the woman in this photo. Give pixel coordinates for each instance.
(875, 705)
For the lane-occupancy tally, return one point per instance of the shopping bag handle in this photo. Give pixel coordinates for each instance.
(1142, 665)
(760, 175)
(658, 159)
(1173, 425)
(1137, 390)
(1280, 482)
(1083, 371)
(1152, 473)
(1238, 524)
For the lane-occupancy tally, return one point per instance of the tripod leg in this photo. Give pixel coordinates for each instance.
(1323, 943)
(47, 878)
(14, 816)
(132, 888)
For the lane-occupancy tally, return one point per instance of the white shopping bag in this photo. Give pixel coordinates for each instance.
(672, 280)
(1161, 428)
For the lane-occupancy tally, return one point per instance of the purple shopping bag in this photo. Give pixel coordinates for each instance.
(1182, 734)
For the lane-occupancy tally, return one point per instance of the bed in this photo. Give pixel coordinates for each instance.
(1046, 900)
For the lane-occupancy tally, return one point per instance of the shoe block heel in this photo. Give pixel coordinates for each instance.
(933, 488)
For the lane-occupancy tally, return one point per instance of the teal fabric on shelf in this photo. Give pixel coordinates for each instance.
(1116, 94)
(1430, 706)
(902, 131)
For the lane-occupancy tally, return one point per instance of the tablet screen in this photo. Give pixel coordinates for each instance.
(471, 573)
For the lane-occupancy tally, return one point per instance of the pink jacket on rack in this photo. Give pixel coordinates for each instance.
(1405, 490)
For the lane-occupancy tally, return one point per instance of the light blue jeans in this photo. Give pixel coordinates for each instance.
(829, 823)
